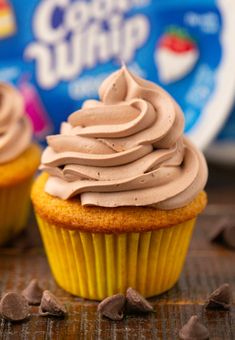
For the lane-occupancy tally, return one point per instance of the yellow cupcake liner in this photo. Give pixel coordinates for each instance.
(97, 265)
(14, 209)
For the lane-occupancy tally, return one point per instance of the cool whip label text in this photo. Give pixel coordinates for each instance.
(73, 36)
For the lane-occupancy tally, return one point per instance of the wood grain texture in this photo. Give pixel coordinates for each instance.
(207, 266)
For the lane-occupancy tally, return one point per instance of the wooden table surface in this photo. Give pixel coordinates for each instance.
(207, 266)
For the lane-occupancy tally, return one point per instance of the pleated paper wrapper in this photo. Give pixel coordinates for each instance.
(97, 265)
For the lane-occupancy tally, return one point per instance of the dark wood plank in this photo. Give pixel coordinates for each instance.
(207, 266)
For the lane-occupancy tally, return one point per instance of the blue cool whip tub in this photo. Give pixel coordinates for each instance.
(57, 52)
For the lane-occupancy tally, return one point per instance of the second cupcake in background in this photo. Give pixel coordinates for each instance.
(121, 188)
(19, 160)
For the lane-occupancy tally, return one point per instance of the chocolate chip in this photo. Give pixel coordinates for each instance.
(194, 330)
(14, 307)
(51, 305)
(219, 298)
(224, 232)
(216, 230)
(33, 293)
(136, 303)
(229, 235)
(113, 307)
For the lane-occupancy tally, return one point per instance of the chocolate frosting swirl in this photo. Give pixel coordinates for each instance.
(15, 127)
(127, 149)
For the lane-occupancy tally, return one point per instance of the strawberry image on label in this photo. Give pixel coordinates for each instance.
(176, 55)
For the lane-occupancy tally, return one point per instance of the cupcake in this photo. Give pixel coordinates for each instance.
(120, 191)
(19, 159)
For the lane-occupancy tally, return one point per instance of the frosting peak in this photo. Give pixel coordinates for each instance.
(126, 149)
(15, 127)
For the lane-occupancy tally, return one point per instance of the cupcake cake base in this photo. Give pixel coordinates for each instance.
(15, 185)
(96, 252)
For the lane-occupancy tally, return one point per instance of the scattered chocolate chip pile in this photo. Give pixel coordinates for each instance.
(15, 306)
(33, 293)
(116, 306)
(50, 305)
(224, 232)
(193, 329)
(220, 298)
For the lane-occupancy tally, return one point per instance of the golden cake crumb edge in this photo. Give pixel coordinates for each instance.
(70, 214)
